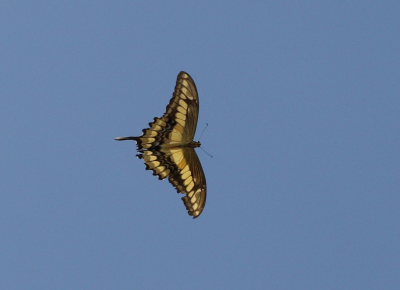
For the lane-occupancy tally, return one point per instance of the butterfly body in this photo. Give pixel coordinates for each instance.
(167, 146)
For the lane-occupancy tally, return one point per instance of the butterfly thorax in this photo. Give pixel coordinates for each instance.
(192, 144)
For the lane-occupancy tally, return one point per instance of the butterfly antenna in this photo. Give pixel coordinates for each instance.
(202, 132)
(201, 135)
(208, 154)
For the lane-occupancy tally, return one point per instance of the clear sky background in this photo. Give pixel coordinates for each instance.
(302, 99)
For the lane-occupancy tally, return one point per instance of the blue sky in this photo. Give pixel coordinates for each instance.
(302, 101)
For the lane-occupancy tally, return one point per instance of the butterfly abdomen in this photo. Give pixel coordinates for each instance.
(127, 138)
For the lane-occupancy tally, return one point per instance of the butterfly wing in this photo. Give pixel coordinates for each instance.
(178, 124)
(184, 172)
(184, 107)
(188, 178)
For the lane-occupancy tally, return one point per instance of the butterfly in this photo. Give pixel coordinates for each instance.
(167, 146)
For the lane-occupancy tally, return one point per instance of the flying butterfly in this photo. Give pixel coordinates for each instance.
(167, 146)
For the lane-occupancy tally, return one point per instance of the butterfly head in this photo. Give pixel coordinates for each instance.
(194, 144)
